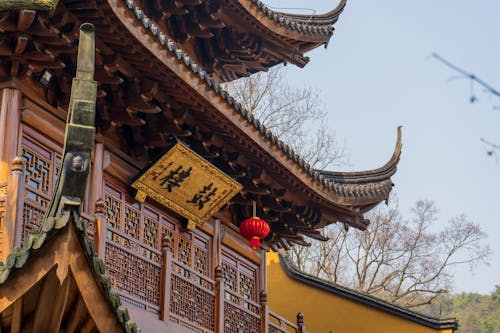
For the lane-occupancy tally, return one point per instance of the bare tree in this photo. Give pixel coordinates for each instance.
(295, 114)
(402, 261)
(405, 262)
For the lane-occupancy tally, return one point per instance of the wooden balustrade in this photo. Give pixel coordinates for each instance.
(192, 301)
(278, 324)
(240, 314)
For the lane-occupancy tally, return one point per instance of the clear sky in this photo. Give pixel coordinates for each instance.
(377, 74)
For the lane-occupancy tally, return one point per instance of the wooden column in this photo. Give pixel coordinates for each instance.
(14, 204)
(10, 116)
(300, 323)
(100, 228)
(264, 307)
(166, 268)
(97, 196)
(97, 185)
(218, 277)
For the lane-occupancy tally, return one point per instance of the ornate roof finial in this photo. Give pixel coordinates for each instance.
(79, 138)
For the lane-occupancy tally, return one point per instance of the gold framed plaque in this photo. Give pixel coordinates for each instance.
(186, 183)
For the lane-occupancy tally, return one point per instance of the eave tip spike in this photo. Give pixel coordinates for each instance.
(399, 142)
(86, 52)
(87, 27)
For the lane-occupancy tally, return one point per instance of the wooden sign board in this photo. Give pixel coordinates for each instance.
(186, 183)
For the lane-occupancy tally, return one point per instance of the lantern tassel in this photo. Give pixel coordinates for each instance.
(254, 243)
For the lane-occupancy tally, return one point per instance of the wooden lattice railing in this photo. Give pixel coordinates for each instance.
(278, 324)
(192, 298)
(135, 277)
(240, 314)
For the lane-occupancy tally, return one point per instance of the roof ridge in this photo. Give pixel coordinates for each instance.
(34, 242)
(294, 272)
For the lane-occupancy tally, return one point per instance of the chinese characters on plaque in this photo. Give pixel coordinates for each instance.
(186, 183)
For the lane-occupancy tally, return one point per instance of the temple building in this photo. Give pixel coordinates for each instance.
(126, 170)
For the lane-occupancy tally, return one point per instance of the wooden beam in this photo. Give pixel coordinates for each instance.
(51, 303)
(76, 317)
(99, 310)
(17, 316)
(87, 327)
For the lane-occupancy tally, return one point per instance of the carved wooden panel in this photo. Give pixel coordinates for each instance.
(151, 228)
(133, 274)
(237, 320)
(133, 265)
(192, 302)
(230, 276)
(113, 204)
(133, 256)
(42, 164)
(189, 248)
(38, 175)
(183, 250)
(132, 221)
(240, 276)
(241, 310)
(32, 217)
(200, 256)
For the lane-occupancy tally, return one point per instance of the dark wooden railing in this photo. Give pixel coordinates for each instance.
(192, 298)
(240, 314)
(278, 324)
(135, 270)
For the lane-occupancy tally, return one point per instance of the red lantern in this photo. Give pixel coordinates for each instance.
(254, 229)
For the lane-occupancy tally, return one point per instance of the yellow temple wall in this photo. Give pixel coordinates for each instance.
(324, 311)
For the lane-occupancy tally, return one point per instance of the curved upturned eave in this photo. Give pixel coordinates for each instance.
(315, 29)
(370, 176)
(328, 18)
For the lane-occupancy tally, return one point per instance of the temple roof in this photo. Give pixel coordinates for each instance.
(235, 38)
(377, 303)
(360, 190)
(151, 89)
